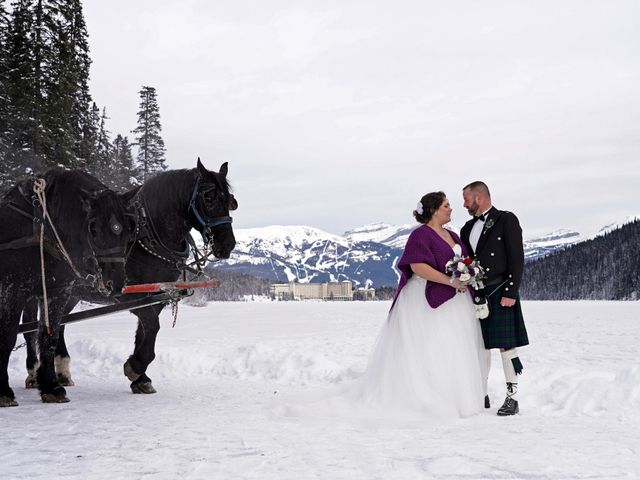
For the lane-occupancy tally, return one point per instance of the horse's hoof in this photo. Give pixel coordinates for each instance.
(8, 402)
(57, 395)
(63, 371)
(31, 382)
(142, 387)
(51, 398)
(129, 372)
(65, 381)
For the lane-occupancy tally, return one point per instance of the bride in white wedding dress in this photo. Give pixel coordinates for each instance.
(429, 355)
(429, 358)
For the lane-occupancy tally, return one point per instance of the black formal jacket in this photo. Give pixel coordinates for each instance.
(499, 251)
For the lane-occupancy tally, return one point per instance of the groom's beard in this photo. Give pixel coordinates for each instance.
(473, 209)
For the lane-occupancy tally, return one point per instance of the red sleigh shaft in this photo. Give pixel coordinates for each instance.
(169, 286)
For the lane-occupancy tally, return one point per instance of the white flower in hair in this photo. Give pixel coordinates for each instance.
(419, 208)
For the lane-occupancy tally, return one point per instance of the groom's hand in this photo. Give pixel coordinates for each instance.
(507, 302)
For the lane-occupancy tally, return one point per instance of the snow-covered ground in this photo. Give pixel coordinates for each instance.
(228, 373)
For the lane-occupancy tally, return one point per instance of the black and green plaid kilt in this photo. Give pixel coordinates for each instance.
(504, 327)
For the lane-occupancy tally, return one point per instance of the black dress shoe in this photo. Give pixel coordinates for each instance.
(487, 403)
(509, 407)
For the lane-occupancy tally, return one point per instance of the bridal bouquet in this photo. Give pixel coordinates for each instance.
(468, 271)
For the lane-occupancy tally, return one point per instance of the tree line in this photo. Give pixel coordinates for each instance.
(241, 286)
(47, 115)
(233, 287)
(603, 268)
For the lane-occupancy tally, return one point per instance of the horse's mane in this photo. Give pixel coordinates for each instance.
(165, 190)
(58, 180)
(66, 190)
(73, 179)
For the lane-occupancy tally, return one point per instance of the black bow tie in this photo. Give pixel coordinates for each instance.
(480, 217)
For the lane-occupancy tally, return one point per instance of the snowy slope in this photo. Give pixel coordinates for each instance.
(390, 235)
(228, 374)
(614, 226)
(546, 244)
(306, 254)
(364, 255)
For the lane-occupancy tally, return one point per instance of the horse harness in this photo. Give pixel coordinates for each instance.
(33, 209)
(146, 235)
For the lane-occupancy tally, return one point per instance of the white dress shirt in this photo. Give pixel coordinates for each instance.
(476, 231)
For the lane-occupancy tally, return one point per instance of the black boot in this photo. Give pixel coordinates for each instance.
(509, 407)
(487, 403)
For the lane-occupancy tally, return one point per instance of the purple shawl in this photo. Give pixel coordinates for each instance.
(424, 245)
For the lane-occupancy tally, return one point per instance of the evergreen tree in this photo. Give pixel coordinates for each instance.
(234, 287)
(24, 133)
(67, 84)
(78, 76)
(103, 143)
(89, 140)
(45, 80)
(603, 268)
(57, 84)
(148, 140)
(102, 164)
(385, 293)
(122, 159)
(4, 97)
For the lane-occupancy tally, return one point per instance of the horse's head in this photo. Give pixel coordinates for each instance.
(109, 233)
(209, 208)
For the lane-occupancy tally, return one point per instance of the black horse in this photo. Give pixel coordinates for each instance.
(166, 208)
(86, 235)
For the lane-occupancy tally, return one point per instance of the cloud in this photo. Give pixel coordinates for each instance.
(346, 112)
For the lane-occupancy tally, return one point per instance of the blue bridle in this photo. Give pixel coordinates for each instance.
(206, 225)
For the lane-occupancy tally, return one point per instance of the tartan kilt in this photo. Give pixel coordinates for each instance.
(504, 327)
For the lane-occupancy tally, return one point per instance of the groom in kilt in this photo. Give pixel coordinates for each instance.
(495, 239)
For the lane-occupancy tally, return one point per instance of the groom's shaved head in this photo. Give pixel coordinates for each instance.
(478, 187)
(477, 198)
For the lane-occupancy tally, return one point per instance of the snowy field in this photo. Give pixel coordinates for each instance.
(230, 374)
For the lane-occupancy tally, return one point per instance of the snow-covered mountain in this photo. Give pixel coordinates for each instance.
(396, 236)
(563, 238)
(365, 255)
(390, 235)
(614, 226)
(306, 254)
(546, 244)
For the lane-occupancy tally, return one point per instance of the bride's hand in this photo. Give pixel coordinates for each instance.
(457, 284)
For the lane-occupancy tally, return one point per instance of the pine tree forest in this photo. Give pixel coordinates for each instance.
(604, 268)
(47, 115)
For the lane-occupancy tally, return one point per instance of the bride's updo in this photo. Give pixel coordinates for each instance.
(428, 205)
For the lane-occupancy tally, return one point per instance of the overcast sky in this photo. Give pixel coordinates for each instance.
(339, 113)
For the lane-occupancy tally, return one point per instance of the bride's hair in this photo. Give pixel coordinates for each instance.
(429, 203)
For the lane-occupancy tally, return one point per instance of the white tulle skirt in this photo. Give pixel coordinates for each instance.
(426, 359)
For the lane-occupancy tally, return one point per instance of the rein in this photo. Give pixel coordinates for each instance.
(39, 186)
(149, 240)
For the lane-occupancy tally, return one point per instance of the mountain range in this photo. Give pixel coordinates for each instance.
(365, 255)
